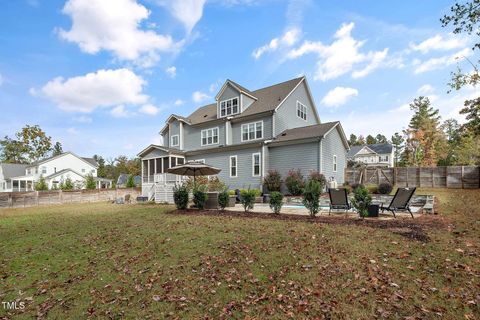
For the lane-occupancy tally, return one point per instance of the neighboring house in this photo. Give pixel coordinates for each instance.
(246, 133)
(379, 154)
(54, 170)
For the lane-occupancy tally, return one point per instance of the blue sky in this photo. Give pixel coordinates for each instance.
(101, 77)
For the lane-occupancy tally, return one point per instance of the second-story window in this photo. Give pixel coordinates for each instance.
(44, 170)
(174, 142)
(301, 111)
(229, 107)
(209, 136)
(252, 131)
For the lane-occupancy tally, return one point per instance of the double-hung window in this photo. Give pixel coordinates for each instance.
(301, 111)
(229, 107)
(174, 141)
(44, 170)
(209, 136)
(256, 166)
(233, 166)
(252, 131)
(334, 163)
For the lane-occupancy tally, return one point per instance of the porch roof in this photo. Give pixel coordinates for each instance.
(162, 148)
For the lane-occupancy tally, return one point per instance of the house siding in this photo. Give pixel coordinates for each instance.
(192, 136)
(286, 115)
(174, 129)
(229, 93)
(237, 129)
(332, 144)
(221, 160)
(303, 156)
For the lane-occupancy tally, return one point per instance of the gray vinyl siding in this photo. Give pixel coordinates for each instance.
(155, 153)
(332, 144)
(174, 129)
(304, 156)
(246, 102)
(229, 93)
(221, 160)
(286, 115)
(237, 129)
(192, 136)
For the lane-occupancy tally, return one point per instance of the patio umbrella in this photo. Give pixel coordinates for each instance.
(194, 169)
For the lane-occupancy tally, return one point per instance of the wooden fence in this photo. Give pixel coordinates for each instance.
(38, 198)
(466, 177)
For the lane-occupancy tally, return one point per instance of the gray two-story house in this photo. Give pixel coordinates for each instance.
(245, 134)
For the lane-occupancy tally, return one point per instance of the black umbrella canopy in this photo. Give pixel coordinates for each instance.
(194, 169)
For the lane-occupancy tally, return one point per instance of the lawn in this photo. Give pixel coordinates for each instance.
(145, 261)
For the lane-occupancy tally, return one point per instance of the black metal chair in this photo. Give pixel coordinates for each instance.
(338, 199)
(400, 201)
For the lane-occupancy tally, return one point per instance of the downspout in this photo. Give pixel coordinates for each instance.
(320, 162)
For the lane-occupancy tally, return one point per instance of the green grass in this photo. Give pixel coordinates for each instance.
(139, 261)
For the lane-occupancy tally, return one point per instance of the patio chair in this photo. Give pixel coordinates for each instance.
(338, 199)
(400, 201)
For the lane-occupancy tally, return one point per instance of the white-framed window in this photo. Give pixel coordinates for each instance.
(301, 111)
(334, 163)
(229, 107)
(174, 141)
(29, 171)
(256, 164)
(252, 131)
(233, 167)
(209, 136)
(44, 170)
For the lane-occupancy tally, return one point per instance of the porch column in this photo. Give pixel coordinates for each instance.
(148, 166)
(142, 170)
(161, 169)
(155, 166)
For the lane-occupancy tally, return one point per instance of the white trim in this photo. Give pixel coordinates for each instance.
(198, 160)
(255, 131)
(178, 140)
(230, 166)
(321, 156)
(239, 109)
(274, 133)
(259, 164)
(181, 135)
(235, 87)
(299, 107)
(289, 94)
(334, 163)
(213, 143)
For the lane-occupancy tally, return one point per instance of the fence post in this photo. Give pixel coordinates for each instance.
(462, 178)
(433, 177)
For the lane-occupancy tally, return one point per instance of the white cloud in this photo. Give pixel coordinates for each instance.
(104, 88)
(149, 109)
(199, 96)
(171, 71)
(179, 102)
(339, 96)
(113, 25)
(440, 42)
(341, 56)
(426, 89)
(119, 112)
(442, 62)
(83, 119)
(288, 39)
(188, 12)
(72, 131)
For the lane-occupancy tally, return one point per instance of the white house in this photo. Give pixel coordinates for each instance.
(55, 170)
(379, 154)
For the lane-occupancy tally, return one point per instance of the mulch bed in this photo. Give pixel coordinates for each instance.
(414, 229)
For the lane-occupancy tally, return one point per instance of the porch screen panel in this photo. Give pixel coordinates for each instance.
(180, 161)
(173, 162)
(159, 165)
(165, 165)
(145, 168)
(152, 167)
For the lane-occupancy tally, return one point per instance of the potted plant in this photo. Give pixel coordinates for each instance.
(232, 198)
(361, 200)
(258, 195)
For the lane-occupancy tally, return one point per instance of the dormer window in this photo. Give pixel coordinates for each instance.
(229, 107)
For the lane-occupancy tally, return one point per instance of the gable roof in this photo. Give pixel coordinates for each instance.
(13, 169)
(268, 99)
(379, 148)
(90, 161)
(314, 131)
(236, 86)
(62, 172)
(156, 146)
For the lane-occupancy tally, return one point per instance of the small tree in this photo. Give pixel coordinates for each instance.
(276, 202)
(311, 197)
(295, 182)
(223, 199)
(180, 197)
(130, 182)
(361, 200)
(41, 184)
(247, 198)
(320, 178)
(67, 185)
(273, 181)
(199, 198)
(90, 182)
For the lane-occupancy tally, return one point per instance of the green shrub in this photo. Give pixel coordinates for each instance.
(347, 186)
(372, 188)
(67, 185)
(90, 182)
(361, 200)
(273, 181)
(311, 197)
(200, 181)
(385, 188)
(317, 176)
(215, 184)
(199, 198)
(180, 197)
(257, 192)
(356, 185)
(247, 198)
(130, 182)
(41, 184)
(295, 182)
(223, 199)
(231, 193)
(276, 201)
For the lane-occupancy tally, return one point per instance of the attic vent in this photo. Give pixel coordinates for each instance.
(205, 116)
(279, 98)
(284, 134)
